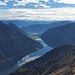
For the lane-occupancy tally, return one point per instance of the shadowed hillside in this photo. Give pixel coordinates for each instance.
(13, 42)
(58, 36)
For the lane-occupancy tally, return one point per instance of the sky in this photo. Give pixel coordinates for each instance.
(48, 10)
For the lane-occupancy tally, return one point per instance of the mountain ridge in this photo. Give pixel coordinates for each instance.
(59, 35)
(55, 62)
(41, 28)
(14, 45)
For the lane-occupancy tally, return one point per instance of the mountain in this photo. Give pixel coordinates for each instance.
(41, 28)
(13, 42)
(22, 23)
(35, 28)
(59, 61)
(59, 23)
(58, 36)
(17, 28)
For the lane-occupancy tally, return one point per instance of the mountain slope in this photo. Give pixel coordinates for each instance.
(59, 61)
(16, 28)
(59, 23)
(14, 43)
(41, 28)
(58, 36)
(22, 23)
(35, 28)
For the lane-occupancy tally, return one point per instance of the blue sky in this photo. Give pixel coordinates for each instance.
(7, 4)
(34, 9)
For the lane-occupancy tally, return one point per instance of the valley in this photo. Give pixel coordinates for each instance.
(48, 52)
(37, 37)
(30, 57)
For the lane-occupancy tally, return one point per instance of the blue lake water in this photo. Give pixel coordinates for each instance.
(29, 57)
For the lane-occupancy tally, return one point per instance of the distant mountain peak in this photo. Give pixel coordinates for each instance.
(1, 23)
(11, 24)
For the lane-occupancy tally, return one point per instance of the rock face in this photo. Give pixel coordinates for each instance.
(59, 61)
(13, 42)
(41, 28)
(58, 36)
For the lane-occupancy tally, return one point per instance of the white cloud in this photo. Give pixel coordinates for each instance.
(27, 59)
(3, 3)
(36, 3)
(6, 1)
(24, 2)
(44, 0)
(65, 1)
(41, 6)
(38, 14)
(21, 11)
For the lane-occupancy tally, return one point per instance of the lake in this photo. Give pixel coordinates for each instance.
(29, 57)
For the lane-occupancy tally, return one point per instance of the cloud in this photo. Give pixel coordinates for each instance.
(6, 1)
(27, 59)
(41, 6)
(45, 0)
(24, 2)
(35, 3)
(3, 3)
(21, 11)
(38, 14)
(65, 1)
